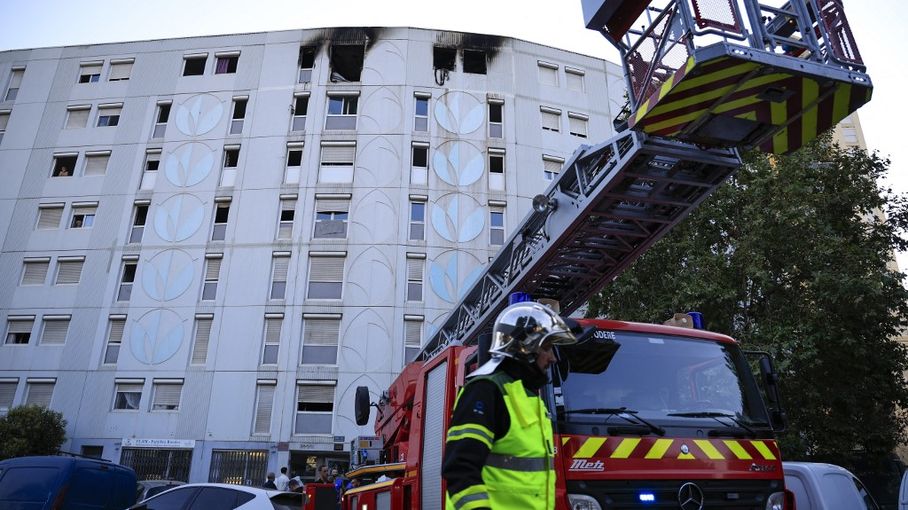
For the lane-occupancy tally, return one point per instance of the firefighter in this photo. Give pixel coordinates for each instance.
(498, 451)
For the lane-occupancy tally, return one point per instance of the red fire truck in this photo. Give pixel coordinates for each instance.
(645, 416)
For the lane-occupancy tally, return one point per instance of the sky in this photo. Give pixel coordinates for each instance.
(877, 26)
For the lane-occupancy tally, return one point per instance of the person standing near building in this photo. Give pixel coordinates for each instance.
(499, 451)
(269, 483)
(283, 481)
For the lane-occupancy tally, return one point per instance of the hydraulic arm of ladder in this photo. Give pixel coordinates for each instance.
(610, 203)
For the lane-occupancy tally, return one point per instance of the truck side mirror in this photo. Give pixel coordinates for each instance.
(770, 379)
(362, 405)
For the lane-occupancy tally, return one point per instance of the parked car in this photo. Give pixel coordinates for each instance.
(148, 488)
(221, 496)
(818, 486)
(70, 483)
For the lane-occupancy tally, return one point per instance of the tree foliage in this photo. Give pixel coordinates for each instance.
(31, 430)
(794, 255)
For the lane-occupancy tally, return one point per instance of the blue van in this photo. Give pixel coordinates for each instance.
(65, 483)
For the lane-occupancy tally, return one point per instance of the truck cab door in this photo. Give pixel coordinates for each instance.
(903, 492)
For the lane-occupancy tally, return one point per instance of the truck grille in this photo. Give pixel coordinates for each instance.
(717, 494)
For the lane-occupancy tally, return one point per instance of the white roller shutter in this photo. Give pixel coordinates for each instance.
(40, 394)
(551, 121)
(49, 217)
(4, 120)
(120, 70)
(96, 164)
(77, 118)
(167, 396)
(69, 272)
(326, 269)
(35, 272)
(273, 330)
(200, 347)
(263, 408)
(323, 205)
(7, 393)
(338, 154)
(212, 268)
(281, 265)
(55, 331)
(413, 333)
(321, 331)
(414, 269)
(21, 326)
(433, 438)
(315, 393)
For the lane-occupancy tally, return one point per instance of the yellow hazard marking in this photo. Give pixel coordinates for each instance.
(737, 449)
(686, 456)
(625, 448)
(759, 81)
(840, 103)
(589, 447)
(764, 450)
(779, 113)
(706, 79)
(659, 448)
(564, 440)
(811, 91)
(748, 116)
(708, 449)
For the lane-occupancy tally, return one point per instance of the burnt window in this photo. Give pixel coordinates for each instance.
(474, 61)
(347, 62)
(444, 58)
(306, 63)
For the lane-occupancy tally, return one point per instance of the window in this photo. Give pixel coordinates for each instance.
(347, 62)
(285, 221)
(264, 403)
(418, 221)
(496, 119)
(419, 163)
(231, 160)
(548, 73)
(194, 65)
(90, 72)
(300, 110)
(326, 275)
(7, 393)
(415, 267)
(574, 78)
(39, 392)
(139, 217)
(34, 271)
(226, 63)
(444, 58)
(578, 122)
(49, 216)
(551, 119)
(19, 329)
(221, 213)
(115, 326)
(337, 162)
(83, 216)
(150, 170)
(496, 169)
(294, 162)
(96, 163)
(4, 121)
(55, 329)
(77, 116)
(551, 167)
(421, 122)
(341, 112)
(128, 394)
(69, 270)
(64, 165)
(474, 61)
(496, 226)
(127, 278)
(239, 114)
(162, 115)
(109, 115)
(331, 214)
(15, 81)
(202, 336)
(212, 275)
(120, 69)
(412, 336)
(306, 63)
(165, 394)
(280, 265)
(314, 408)
(320, 338)
(272, 338)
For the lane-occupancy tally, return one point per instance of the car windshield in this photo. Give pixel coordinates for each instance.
(663, 379)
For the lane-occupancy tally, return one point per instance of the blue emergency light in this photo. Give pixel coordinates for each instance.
(646, 497)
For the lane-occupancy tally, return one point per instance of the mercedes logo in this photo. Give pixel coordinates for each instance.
(690, 497)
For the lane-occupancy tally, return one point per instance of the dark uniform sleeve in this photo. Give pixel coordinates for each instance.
(479, 419)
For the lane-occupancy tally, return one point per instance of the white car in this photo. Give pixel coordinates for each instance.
(818, 486)
(221, 496)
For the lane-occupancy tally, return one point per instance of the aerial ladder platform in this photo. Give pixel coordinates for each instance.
(706, 79)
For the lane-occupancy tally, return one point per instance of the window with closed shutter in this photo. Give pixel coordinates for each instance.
(414, 278)
(68, 272)
(166, 396)
(548, 74)
(49, 217)
(120, 71)
(272, 340)
(320, 339)
(551, 119)
(55, 331)
(412, 339)
(7, 394)
(200, 345)
(264, 402)
(578, 124)
(315, 405)
(280, 265)
(338, 154)
(77, 117)
(574, 78)
(39, 394)
(34, 272)
(96, 164)
(114, 340)
(212, 274)
(551, 167)
(326, 276)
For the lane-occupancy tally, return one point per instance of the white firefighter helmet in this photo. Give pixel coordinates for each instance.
(522, 328)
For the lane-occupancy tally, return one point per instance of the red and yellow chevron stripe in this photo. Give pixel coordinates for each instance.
(658, 449)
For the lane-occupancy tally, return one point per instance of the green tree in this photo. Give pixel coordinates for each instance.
(31, 430)
(793, 256)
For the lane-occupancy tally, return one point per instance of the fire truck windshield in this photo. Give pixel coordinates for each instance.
(667, 380)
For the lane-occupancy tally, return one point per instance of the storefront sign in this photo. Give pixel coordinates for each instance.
(130, 442)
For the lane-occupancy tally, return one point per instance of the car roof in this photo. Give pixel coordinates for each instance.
(814, 467)
(53, 460)
(242, 488)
